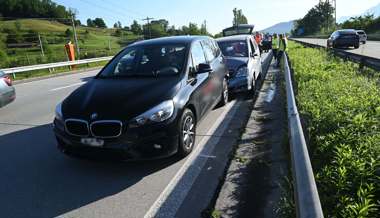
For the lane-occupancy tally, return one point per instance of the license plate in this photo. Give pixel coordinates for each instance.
(92, 142)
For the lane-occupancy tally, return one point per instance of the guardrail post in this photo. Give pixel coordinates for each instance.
(306, 195)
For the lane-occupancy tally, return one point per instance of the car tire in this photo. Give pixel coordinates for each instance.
(187, 131)
(364, 42)
(356, 46)
(225, 94)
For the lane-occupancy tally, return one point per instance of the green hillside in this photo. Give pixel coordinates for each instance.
(19, 41)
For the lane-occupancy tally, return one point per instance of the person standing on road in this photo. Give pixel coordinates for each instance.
(275, 45)
(258, 40)
(282, 48)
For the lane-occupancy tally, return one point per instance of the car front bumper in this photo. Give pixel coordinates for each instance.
(238, 84)
(140, 143)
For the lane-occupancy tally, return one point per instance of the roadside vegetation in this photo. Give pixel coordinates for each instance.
(340, 104)
(320, 22)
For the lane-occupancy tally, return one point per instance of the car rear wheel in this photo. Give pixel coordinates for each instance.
(187, 130)
(356, 46)
(224, 98)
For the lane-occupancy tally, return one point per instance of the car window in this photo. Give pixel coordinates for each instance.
(234, 48)
(1, 73)
(209, 50)
(198, 54)
(148, 61)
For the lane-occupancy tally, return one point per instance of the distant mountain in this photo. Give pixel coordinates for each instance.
(374, 10)
(283, 27)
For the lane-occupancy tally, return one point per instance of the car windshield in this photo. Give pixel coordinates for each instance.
(234, 48)
(1, 73)
(153, 60)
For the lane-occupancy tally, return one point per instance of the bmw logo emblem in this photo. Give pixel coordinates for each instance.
(94, 116)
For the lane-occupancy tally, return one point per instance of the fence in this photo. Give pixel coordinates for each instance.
(16, 70)
(362, 60)
(306, 195)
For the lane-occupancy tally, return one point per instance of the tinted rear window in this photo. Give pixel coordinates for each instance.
(361, 32)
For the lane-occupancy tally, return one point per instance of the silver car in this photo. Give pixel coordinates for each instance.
(243, 61)
(362, 36)
(7, 91)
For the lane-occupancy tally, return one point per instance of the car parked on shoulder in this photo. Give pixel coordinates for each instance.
(343, 38)
(146, 102)
(7, 91)
(243, 60)
(362, 36)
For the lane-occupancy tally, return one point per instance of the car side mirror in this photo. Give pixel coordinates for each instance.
(204, 68)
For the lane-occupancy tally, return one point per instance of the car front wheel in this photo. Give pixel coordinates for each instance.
(187, 130)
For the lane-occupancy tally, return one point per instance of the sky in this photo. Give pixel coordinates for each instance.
(217, 13)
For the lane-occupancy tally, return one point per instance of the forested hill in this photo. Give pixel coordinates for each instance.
(33, 9)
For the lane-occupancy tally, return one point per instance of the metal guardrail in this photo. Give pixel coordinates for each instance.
(53, 65)
(362, 60)
(306, 195)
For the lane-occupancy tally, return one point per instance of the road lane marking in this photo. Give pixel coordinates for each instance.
(69, 86)
(166, 205)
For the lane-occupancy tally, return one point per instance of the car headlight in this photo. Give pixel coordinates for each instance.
(157, 114)
(242, 72)
(58, 112)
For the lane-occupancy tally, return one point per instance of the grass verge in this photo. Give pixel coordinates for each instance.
(341, 106)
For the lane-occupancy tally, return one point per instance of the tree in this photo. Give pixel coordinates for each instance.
(204, 29)
(318, 19)
(99, 22)
(136, 28)
(239, 17)
(90, 23)
(34, 8)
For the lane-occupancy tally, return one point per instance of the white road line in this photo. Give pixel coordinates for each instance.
(65, 87)
(154, 210)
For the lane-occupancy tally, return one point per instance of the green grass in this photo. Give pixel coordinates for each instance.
(341, 106)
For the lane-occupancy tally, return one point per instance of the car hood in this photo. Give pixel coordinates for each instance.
(234, 63)
(121, 98)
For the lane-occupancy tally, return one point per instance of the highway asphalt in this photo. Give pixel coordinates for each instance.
(370, 49)
(39, 181)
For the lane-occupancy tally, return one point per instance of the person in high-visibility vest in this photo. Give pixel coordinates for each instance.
(282, 48)
(275, 46)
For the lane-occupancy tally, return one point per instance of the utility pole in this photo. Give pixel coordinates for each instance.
(42, 49)
(148, 19)
(75, 36)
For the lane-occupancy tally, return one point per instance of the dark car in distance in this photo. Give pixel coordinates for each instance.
(243, 61)
(343, 38)
(146, 102)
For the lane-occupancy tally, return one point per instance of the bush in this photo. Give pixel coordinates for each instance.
(342, 108)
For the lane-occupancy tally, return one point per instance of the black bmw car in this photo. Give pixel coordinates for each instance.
(146, 102)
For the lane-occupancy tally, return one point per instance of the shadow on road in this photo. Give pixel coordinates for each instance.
(38, 181)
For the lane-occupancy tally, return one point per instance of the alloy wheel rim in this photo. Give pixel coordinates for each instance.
(188, 132)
